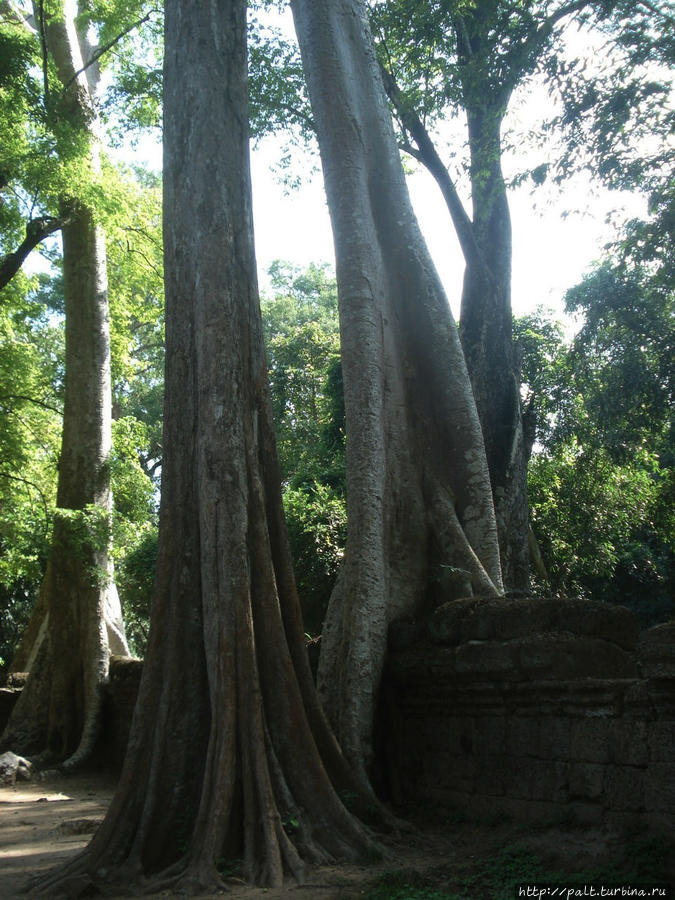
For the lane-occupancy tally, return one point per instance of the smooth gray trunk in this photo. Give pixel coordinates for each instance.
(486, 316)
(418, 491)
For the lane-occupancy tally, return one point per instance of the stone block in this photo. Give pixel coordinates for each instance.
(585, 813)
(522, 736)
(14, 768)
(628, 741)
(586, 781)
(444, 624)
(554, 737)
(661, 740)
(485, 659)
(461, 773)
(489, 735)
(662, 698)
(437, 733)
(564, 656)
(656, 652)
(614, 624)
(549, 780)
(624, 788)
(492, 776)
(590, 740)
(478, 623)
(660, 787)
(517, 778)
(626, 821)
(637, 701)
(519, 618)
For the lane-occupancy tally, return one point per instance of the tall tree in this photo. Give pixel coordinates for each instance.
(471, 58)
(418, 491)
(77, 621)
(229, 752)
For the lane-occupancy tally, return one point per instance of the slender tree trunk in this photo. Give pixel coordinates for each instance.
(77, 623)
(418, 491)
(229, 754)
(486, 317)
(487, 339)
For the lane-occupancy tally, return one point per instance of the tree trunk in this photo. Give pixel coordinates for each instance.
(487, 339)
(418, 491)
(77, 621)
(229, 754)
(486, 318)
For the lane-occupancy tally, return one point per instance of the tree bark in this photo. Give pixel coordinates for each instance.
(486, 316)
(418, 491)
(77, 622)
(487, 339)
(229, 754)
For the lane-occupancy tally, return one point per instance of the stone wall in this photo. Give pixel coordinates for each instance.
(539, 710)
(544, 710)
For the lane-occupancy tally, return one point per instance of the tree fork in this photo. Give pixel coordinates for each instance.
(413, 433)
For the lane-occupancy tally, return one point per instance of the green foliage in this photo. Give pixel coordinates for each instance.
(136, 292)
(134, 576)
(82, 535)
(611, 109)
(497, 876)
(617, 113)
(302, 340)
(406, 886)
(30, 423)
(31, 383)
(602, 484)
(278, 102)
(135, 527)
(301, 331)
(132, 104)
(45, 165)
(316, 516)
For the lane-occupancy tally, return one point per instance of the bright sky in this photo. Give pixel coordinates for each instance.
(550, 253)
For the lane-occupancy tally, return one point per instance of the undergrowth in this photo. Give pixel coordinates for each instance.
(495, 878)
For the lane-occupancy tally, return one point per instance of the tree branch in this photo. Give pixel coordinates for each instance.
(545, 29)
(36, 231)
(28, 399)
(427, 154)
(43, 49)
(16, 17)
(98, 53)
(29, 484)
(463, 40)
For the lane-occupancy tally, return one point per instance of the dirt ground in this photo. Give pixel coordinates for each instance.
(44, 822)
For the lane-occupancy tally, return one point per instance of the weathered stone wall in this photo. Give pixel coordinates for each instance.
(534, 709)
(118, 707)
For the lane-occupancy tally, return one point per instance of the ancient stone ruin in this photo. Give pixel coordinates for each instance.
(545, 710)
(534, 709)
